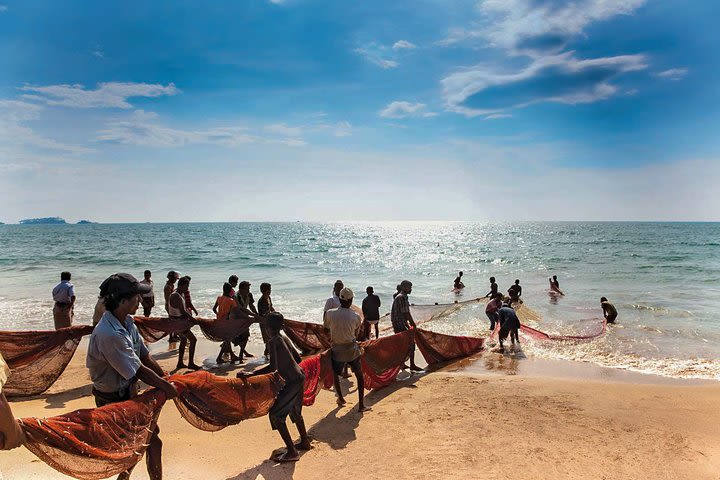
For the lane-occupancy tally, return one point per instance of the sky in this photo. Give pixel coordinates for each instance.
(284, 110)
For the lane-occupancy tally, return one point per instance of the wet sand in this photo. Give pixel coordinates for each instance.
(493, 416)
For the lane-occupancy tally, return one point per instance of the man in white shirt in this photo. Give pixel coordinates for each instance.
(344, 326)
(64, 298)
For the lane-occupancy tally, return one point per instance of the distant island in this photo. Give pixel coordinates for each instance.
(43, 221)
(85, 222)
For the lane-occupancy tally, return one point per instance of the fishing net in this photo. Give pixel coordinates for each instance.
(538, 335)
(318, 375)
(211, 403)
(153, 329)
(383, 358)
(427, 313)
(37, 358)
(226, 329)
(525, 313)
(438, 347)
(97, 442)
(308, 337)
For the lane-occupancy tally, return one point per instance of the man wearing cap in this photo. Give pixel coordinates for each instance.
(402, 318)
(334, 302)
(246, 302)
(344, 326)
(64, 297)
(117, 357)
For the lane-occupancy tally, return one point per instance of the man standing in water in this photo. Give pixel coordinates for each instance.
(64, 297)
(515, 291)
(509, 325)
(177, 310)
(609, 311)
(344, 326)
(402, 319)
(458, 284)
(117, 358)
(147, 299)
(493, 289)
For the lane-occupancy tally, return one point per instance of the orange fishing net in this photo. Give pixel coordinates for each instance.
(211, 403)
(153, 329)
(37, 358)
(99, 442)
(437, 347)
(308, 337)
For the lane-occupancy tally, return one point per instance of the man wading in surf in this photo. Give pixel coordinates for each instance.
(402, 319)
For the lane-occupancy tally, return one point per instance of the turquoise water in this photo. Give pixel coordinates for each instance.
(664, 278)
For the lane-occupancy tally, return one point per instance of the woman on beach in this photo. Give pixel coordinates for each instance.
(223, 305)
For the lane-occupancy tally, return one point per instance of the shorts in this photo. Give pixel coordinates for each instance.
(289, 402)
(611, 318)
(339, 366)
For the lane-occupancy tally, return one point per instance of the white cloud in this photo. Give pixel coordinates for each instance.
(3, 8)
(399, 109)
(497, 116)
(144, 129)
(14, 131)
(97, 52)
(538, 26)
(375, 54)
(673, 74)
(558, 78)
(108, 95)
(403, 44)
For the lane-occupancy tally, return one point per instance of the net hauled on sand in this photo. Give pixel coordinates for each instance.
(37, 358)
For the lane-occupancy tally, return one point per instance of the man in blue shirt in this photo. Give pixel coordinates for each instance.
(117, 357)
(509, 325)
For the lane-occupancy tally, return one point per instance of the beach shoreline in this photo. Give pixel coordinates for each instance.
(463, 420)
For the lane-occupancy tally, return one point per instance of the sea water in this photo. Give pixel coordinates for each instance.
(664, 278)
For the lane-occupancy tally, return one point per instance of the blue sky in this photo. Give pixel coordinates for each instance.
(310, 110)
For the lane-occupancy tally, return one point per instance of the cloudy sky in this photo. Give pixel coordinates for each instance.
(360, 110)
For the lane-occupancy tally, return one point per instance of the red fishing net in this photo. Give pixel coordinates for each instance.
(437, 347)
(211, 403)
(384, 357)
(318, 375)
(97, 442)
(153, 329)
(37, 358)
(308, 337)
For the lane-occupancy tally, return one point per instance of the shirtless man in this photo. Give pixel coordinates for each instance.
(458, 284)
(609, 311)
(178, 310)
(493, 289)
(284, 359)
(515, 291)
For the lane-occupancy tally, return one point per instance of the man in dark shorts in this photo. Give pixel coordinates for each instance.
(168, 289)
(493, 289)
(265, 308)
(509, 325)
(402, 319)
(344, 326)
(177, 309)
(117, 357)
(371, 313)
(609, 311)
(284, 359)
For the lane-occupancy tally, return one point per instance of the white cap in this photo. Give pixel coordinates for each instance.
(346, 294)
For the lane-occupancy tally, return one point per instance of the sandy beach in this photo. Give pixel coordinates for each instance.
(479, 418)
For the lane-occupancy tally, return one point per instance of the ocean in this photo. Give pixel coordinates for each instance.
(664, 278)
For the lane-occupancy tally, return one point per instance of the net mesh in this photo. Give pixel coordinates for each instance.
(308, 337)
(438, 347)
(318, 375)
(427, 313)
(37, 358)
(383, 358)
(227, 329)
(153, 329)
(211, 403)
(98, 442)
(539, 335)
